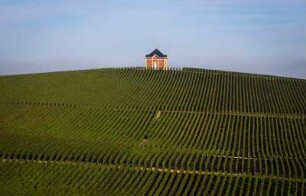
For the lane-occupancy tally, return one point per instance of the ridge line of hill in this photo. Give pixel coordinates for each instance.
(182, 69)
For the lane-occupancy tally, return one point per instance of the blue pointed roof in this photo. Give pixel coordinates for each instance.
(156, 52)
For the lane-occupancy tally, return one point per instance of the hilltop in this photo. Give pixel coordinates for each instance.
(186, 90)
(132, 131)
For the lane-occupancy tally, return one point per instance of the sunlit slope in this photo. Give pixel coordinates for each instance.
(189, 90)
(139, 132)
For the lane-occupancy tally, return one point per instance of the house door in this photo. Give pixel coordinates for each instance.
(155, 65)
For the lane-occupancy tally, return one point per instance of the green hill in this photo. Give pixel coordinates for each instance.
(131, 131)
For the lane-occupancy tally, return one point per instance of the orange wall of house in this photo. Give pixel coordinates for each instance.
(159, 62)
(149, 64)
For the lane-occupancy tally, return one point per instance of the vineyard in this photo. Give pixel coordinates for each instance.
(129, 131)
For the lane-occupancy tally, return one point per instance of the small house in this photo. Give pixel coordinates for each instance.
(156, 60)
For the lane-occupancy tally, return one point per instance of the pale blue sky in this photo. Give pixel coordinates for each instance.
(257, 36)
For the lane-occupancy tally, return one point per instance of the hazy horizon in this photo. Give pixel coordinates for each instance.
(255, 36)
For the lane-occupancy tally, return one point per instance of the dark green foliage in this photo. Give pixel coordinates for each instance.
(139, 132)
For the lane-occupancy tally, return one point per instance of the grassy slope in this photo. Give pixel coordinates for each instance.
(231, 127)
(174, 90)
